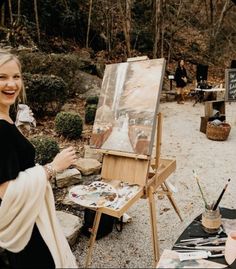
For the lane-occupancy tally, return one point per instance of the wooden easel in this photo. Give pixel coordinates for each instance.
(135, 169)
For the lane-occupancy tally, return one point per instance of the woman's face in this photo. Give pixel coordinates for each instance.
(10, 83)
(181, 63)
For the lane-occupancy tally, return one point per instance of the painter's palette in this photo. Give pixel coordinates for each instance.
(97, 194)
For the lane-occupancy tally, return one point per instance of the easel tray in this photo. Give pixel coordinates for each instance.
(127, 195)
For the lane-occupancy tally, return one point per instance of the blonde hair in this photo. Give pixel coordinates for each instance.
(6, 57)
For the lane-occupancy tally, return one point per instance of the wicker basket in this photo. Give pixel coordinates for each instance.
(218, 132)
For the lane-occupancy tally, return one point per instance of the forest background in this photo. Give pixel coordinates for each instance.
(61, 42)
(199, 30)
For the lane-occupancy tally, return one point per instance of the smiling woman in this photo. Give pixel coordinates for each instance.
(29, 230)
(11, 84)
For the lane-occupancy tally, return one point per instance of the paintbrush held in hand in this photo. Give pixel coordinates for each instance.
(221, 195)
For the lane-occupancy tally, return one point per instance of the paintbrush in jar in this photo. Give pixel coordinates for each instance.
(221, 195)
(199, 186)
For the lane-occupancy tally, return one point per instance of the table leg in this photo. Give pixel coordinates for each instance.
(153, 225)
(166, 189)
(199, 97)
(93, 237)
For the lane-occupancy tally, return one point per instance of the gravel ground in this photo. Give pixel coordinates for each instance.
(214, 162)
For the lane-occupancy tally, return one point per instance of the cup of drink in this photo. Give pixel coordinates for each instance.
(230, 248)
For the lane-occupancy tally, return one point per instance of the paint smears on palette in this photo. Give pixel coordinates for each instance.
(125, 193)
(97, 194)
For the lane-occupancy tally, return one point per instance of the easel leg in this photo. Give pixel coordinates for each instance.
(154, 225)
(93, 237)
(166, 189)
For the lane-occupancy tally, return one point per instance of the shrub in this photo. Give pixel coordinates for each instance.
(63, 65)
(45, 148)
(68, 124)
(45, 94)
(90, 113)
(92, 100)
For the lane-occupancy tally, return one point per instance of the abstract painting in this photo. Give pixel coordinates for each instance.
(126, 115)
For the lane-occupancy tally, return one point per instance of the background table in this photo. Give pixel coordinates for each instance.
(200, 94)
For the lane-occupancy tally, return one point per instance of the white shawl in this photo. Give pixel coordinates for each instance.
(29, 200)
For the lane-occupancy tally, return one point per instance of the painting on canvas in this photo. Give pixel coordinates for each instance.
(126, 115)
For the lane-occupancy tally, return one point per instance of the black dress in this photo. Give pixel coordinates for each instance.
(179, 74)
(17, 154)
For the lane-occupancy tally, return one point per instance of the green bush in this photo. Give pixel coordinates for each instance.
(90, 113)
(63, 65)
(92, 100)
(46, 149)
(45, 94)
(68, 124)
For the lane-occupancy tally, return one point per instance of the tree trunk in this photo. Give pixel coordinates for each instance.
(162, 39)
(155, 28)
(207, 12)
(222, 16)
(18, 11)
(89, 22)
(109, 18)
(37, 19)
(211, 24)
(66, 5)
(10, 12)
(3, 14)
(216, 26)
(126, 22)
(174, 29)
(159, 31)
(128, 26)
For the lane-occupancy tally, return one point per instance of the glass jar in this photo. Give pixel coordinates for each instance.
(211, 220)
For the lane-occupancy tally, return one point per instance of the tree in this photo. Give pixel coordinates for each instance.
(216, 19)
(37, 19)
(173, 22)
(18, 11)
(126, 22)
(10, 12)
(89, 22)
(2, 13)
(158, 26)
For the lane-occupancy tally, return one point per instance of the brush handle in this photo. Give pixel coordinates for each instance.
(199, 186)
(220, 197)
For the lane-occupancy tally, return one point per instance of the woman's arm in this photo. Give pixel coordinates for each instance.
(3, 188)
(63, 160)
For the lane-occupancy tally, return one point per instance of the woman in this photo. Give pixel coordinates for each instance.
(181, 81)
(29, 230)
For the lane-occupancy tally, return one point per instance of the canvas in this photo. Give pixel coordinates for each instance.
(128, 104)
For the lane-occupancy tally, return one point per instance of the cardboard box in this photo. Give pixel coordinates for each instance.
(210, 106)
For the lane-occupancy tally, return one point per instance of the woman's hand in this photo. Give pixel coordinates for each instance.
(64, 159)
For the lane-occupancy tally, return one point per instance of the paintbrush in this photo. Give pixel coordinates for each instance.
(221, 195)
(205, 202)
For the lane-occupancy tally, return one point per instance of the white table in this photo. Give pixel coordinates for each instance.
(210, 90)
(199, 96)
